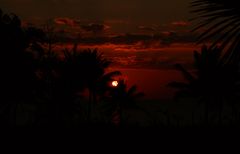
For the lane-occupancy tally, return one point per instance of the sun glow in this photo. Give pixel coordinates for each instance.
(115, 83)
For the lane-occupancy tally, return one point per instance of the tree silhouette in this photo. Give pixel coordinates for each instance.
(18, 78)
(212, 82)
(222, 20)
(34, 76)
(87, 69)
(120, 98)
(50, 35)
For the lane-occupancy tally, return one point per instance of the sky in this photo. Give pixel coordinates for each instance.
(142, 33)
(151, 11)
(146, 34)
(124, 16)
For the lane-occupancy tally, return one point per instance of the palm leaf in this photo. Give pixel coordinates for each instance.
(222, 20)
(132, 90)
(215, 30)
(109, 76)
(185, 73)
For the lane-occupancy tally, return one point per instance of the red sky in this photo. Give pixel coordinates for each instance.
(146, 22)
(112, 17)
(146, 34)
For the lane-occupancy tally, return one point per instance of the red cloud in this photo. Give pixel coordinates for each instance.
(66, 21)
(167, 33)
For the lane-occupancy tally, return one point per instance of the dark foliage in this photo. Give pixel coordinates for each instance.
(213, 83)
(221, 18)
(41, 89)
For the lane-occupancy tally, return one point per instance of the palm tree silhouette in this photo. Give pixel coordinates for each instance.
(222, 20)
(120, 98)
(213, 81)
(87, 69)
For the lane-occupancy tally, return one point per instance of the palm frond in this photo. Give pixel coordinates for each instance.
(132, 90)
(222, 20)
(109, 77)
(185, 73)
(215, 29)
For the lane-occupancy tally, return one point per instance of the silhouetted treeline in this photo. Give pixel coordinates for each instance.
(214, 84)
(41, 89)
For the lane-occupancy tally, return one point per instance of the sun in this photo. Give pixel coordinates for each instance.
(114, 83)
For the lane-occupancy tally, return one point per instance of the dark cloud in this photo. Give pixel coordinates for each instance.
(147, 28)
(95, 28)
